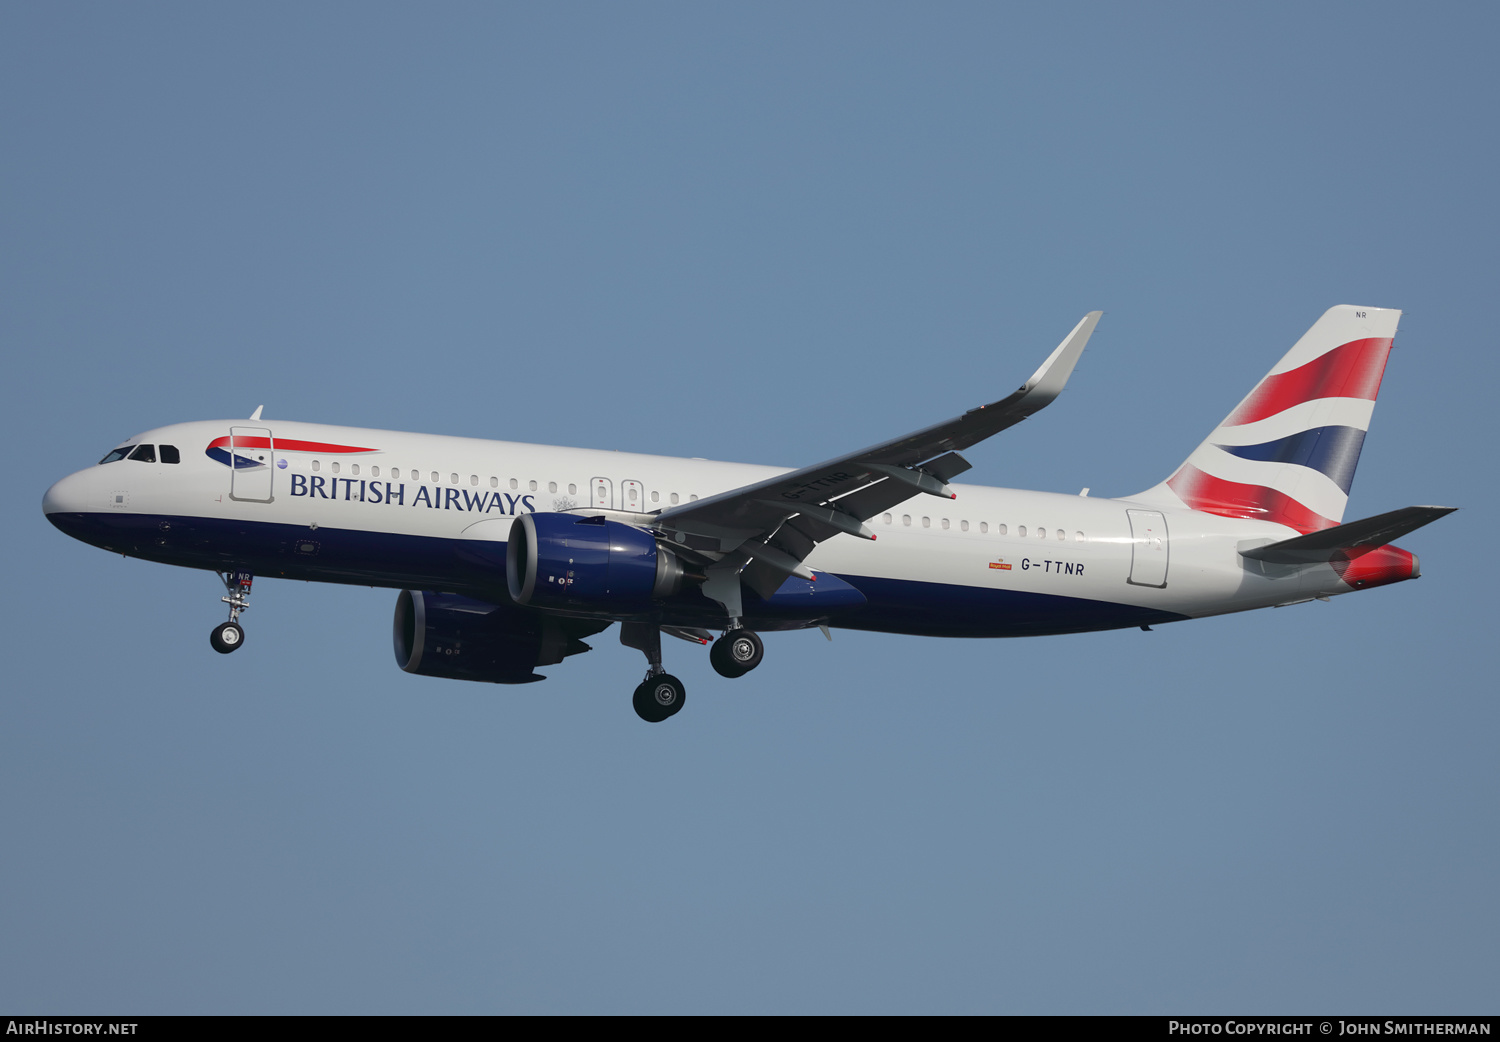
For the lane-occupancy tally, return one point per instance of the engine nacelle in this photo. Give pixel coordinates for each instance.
(587, 564)
(446, 635)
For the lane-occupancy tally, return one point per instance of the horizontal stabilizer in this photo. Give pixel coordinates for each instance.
(1352, 539)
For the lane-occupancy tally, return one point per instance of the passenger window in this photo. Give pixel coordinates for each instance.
(169, 454)
(144, 454)
(1062, 536)
(551, 486)
(435, 478)
(693, 498)
(572, 490)
(533, 486)
(926, 522)
(453, 479)
(513, 483)
(354, 469)
(887, 518)
(117, 454)
(1077, 537)
(984, 528)
(1041, 533)
(674, 499)
(963, 526)
(335, 466)
(317, 466)
(374, 472)
(945, 524)
(494, 482)
(906, 519)
(473, 479)
(656, 497)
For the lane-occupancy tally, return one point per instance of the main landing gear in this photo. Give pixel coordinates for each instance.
(661, 694)
(736, 653)
(658, 697)
(227, 636)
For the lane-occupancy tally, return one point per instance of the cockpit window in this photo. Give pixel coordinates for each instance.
(119, 453)
(144, 454)
(169, 454)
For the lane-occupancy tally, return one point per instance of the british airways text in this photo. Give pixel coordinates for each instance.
(357, 490)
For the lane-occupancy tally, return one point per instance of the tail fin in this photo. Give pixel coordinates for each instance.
(1287, 452)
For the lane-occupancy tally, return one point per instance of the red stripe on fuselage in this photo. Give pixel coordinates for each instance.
(1352, 370)
(1231, 499)
(286, 445)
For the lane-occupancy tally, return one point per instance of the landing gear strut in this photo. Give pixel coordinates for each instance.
(227, 636)
(736, 653)
(661, 694)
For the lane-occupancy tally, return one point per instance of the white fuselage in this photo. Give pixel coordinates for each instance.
(426, 511)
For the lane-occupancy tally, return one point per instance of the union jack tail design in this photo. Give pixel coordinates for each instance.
(1287, 452)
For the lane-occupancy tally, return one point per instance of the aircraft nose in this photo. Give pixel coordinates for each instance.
(68, 496)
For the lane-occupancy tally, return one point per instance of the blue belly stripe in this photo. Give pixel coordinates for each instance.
(476, 568)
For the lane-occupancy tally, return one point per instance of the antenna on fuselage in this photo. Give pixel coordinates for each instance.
(256, 414)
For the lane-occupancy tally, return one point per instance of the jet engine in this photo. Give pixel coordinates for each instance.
(587, 564)
(446, 635)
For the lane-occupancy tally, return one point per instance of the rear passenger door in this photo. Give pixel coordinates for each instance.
(1149, 548)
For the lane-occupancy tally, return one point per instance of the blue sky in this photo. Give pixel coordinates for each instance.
(768, 233)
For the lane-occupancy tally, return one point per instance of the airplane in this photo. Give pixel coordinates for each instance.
(508, 555)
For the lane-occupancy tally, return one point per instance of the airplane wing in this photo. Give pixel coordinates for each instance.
(761, 533)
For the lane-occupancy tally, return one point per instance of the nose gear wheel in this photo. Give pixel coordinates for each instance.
(226, 637)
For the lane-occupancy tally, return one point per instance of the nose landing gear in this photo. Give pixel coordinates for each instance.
(227, 636)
